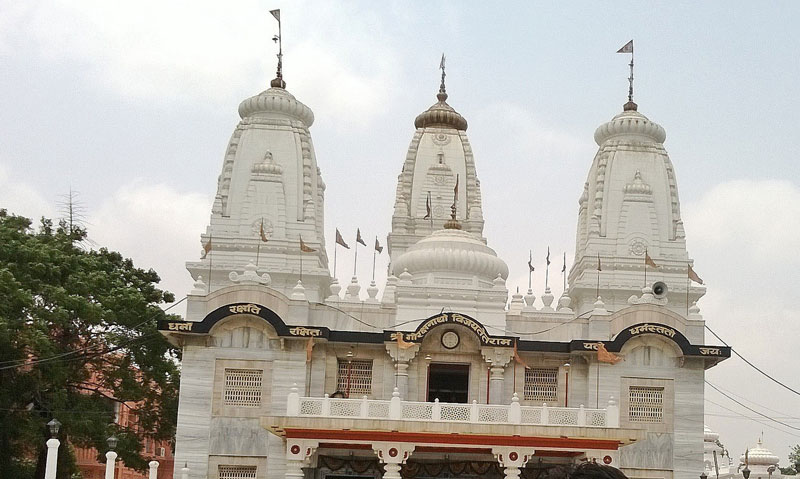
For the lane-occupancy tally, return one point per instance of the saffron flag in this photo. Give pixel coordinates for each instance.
(261, 232)
(428, 207)
(564, 267)
(378, 246)
(604, 356)
(309, 349)
(693, 276)
(548, 256)
(304, 247)
(276, 14)
(206, 248)
(530, 261)
(340, 240)
(649, 261)
(599, 268)
(401, 342)
(519, 359)
(628, 48)
(358, 237)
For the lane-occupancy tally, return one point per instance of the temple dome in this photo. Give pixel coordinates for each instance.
(630, 125)
(441, 115)
(709, 435)
(452, 251)
(276, 101)
(760, 456)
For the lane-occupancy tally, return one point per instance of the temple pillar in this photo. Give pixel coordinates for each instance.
(498, 358)
(392, 456)
(512, 459)
(402, 353)
(298, 456)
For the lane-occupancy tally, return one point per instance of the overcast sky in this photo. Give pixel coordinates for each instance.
(132, 104)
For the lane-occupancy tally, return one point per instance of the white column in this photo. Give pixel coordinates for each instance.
(111, 459)
(496, 385)
(153, 470)
(52, 458)
(392, 456)
(512, 459)
(294, 469)
(401, 377)
(185, 471)
(298, 455)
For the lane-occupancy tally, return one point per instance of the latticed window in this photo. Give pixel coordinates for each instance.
(243, 387)
(541, 384)
(237, 472)
(646, 404)
(355, 377)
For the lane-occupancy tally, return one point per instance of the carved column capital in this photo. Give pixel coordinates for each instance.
(496, 356)
(399, 354)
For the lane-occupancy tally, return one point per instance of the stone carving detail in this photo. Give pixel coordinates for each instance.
(637, 247)
(441, 139)
(268, 227)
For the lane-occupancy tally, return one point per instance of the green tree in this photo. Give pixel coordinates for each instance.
(78, 340)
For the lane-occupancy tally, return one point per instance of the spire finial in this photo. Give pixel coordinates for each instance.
(628, 48)
(278, 81)
(442, 95)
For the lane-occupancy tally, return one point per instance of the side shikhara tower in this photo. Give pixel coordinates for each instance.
(630, 208)
(270, 181)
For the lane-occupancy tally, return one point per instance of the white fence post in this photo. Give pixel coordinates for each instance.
(545, 414)
(364, 406)
(473, 411)
(436, 410)
(326, 405)
(153, 470)
(293, 402)
(396, 405)
(581, 416)
(515, 413)
(612, 413)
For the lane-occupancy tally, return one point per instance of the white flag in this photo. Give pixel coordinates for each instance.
(628, 48)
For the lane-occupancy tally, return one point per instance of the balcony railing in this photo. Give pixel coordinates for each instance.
(397, 409)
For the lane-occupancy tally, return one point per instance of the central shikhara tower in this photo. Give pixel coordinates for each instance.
(286, 376)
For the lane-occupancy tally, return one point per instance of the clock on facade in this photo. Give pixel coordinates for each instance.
(450, 339)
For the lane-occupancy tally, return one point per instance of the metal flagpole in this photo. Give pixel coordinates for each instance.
(210, 259)
(355, 258)
(530, 268)
(335, 249)
(645, 267)
(564, 271)
(374, 253)
(599, 268)
(547, 270)
(430, 212)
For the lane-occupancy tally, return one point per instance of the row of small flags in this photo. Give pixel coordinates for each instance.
(648, 261)
(359, 239)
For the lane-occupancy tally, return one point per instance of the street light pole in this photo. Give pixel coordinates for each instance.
(111, 457)
(52, 450)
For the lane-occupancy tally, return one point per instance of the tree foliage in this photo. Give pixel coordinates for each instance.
(794, 462)
(78, 340)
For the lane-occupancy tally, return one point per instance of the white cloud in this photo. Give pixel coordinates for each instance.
(23, 199)
(204, 51)
(155, 225)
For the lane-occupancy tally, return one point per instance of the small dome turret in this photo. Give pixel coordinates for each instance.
(760, 456)
(278, 102)
(630, 125)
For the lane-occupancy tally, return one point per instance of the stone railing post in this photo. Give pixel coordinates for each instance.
(153, 470)
(515, 413)
(473, 411)
(396, 405)
(581, 416)
(545, 414)
(364, 407)
(111, 460)
(612, 413)
(436, 410)
(326, 405)
(293, 402)
(52, 458)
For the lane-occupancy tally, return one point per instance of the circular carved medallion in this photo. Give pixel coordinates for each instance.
(513, 456)
(441, 139)
(450, 339)
(637, 247)
(295, 449)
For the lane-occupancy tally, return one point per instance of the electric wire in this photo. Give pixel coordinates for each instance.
(62, 356)
(751, 409)
(751, 364)
(739, 415)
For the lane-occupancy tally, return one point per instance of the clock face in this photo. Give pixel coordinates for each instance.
(450, 339)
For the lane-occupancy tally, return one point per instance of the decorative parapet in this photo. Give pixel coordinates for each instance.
(397, 409)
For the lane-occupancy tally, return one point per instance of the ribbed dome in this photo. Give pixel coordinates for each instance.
(709, 435)
(276, 100)
(441, 115)
(630, 125)
(452, 251)
(760, 456)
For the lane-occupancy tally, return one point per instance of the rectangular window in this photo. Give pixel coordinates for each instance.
(237, 472)
(243, 387)
(645, 404)
(541, 384)
(354, 378)
(162, 452)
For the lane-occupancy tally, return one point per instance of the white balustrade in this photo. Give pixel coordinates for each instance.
(397, 409)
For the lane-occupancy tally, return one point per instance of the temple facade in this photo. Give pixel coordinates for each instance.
(286, 373)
